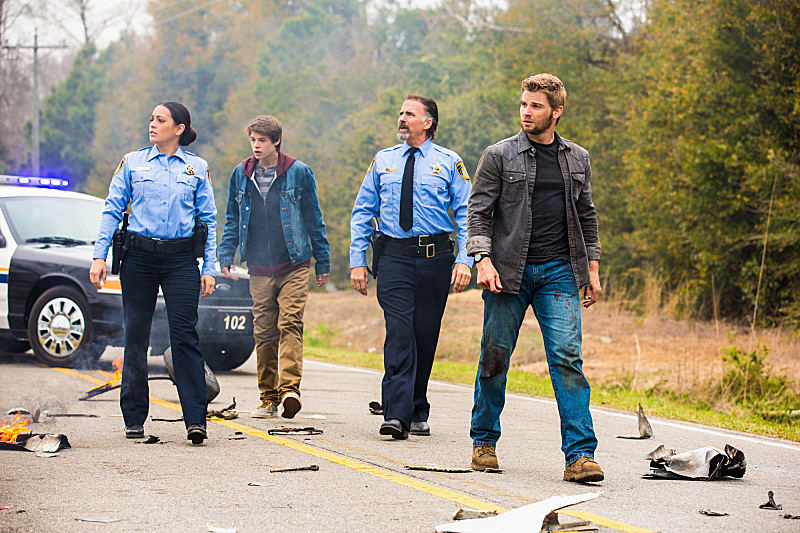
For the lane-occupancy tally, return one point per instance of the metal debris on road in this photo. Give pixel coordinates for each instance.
(771, 503)
(375, 408)
(438, 469)
(294, 431)
(552, 523)
(151, 439)
(71, 415)
(180, 419)
(704, 463)
(260, 484)
(314, 417)
(792, 516)
(709, 512)
(102, 519)
(47, 455)
(528, 518)
(469, 514)
(312, 468)
(215, 529)
(645, 430)
(493, 471)
(228, 413)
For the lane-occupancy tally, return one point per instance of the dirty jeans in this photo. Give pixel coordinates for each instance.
(551, 290)
(278, 306)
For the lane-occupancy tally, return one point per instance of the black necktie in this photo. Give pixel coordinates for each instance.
(407, 193)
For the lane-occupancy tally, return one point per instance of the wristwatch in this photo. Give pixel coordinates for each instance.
(480, 257)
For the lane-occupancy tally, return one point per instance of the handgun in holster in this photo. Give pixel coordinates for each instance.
(120, 243)
(200, 237)
(377, 246)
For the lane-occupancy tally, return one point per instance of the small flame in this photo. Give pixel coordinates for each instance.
(10, 430)
(114, 379)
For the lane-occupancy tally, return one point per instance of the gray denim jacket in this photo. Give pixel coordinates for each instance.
(499, 217)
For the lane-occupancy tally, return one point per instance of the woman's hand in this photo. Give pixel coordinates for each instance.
(207, 283)
(97, 273)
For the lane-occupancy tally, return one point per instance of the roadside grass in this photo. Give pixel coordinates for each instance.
(664, 404)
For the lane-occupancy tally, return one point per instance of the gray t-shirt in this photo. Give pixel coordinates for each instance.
(264, 178)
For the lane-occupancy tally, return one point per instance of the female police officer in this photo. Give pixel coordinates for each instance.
(169, 190)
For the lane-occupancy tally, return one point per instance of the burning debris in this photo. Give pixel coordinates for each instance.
(113, 382)
(704, 463)
(10, 431)
(645, 431)
(16, 435)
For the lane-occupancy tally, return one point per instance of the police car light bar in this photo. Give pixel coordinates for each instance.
(24, 181)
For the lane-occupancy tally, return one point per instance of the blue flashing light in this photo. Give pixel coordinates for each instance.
(45, 183)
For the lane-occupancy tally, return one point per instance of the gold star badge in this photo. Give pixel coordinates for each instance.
(190, 170)
(436, 169)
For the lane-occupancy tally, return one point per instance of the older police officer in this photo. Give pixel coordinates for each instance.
(410, 187)
(169, 191)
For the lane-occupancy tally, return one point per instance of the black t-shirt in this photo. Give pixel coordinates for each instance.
(549, 240)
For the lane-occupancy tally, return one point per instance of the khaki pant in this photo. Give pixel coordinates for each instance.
(278, 305)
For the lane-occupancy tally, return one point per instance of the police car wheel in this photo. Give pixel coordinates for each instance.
(227, 356)
(60, 328)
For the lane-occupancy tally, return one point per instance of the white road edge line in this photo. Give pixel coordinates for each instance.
(596, 410)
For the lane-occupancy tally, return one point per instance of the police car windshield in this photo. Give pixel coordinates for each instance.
(67, 221)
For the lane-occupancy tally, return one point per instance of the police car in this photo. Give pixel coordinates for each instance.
(48, 304)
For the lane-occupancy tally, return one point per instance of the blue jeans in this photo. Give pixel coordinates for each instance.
(551, 290)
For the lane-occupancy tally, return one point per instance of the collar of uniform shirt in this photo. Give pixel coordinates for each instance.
(423, 148)
(180, 154)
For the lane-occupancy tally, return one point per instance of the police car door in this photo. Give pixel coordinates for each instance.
(7, 248)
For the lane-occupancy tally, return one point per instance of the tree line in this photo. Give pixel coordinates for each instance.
(689, 109)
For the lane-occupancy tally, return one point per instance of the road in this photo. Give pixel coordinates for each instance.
(361, 484)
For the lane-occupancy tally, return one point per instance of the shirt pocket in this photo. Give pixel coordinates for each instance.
(142, 184)
(186, 188)
(434, 191)
(513, 187)
(578, 179)
(391, 184)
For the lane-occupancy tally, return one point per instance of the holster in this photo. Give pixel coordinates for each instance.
(120, 242)
(377, 246)
(200, 237)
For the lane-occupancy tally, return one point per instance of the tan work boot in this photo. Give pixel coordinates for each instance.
(484, 457)
(583, 470)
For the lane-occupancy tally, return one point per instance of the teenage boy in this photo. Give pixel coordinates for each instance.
(273, 214)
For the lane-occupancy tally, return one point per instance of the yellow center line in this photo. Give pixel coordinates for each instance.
(461, 499)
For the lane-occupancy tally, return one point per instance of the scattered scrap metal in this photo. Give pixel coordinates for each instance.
(552, 523)
(228, 413)
(101, 519)
(526, 518)
(704, 463)
(102, 389)
(771, 503)
(283, 430)
(312, 468)
(469, 514)
(447, 469)
(709, 512)
(375, 408)
(645, 430)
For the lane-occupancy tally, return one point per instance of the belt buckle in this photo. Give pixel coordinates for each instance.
(160, 245)
(430, 250)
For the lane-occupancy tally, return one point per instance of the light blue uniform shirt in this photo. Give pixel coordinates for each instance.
(166, 195)
(440, 181)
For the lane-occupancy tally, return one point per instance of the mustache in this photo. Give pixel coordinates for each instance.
(402, 125)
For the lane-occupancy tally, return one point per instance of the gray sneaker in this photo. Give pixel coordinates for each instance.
(268, 409)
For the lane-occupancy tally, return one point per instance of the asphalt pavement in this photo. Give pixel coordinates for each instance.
(362, 483)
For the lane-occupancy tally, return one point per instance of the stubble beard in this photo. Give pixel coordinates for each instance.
(403, 134)
(539, 127)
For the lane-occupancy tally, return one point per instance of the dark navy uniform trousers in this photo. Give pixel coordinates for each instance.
(141, 273)
(412, 293)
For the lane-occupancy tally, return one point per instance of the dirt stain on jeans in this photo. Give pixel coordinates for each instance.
(493, 361)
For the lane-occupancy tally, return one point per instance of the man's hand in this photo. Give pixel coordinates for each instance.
(321, 279)
(488, 278)
(207, 283)
(226, 271)
(592, 291)
(97, 273)
(359, 279)
(460, 278)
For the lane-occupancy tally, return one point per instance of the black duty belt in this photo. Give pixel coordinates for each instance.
(421, 246)
(162, 246)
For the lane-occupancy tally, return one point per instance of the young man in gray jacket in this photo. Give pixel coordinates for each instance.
(533, 232)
